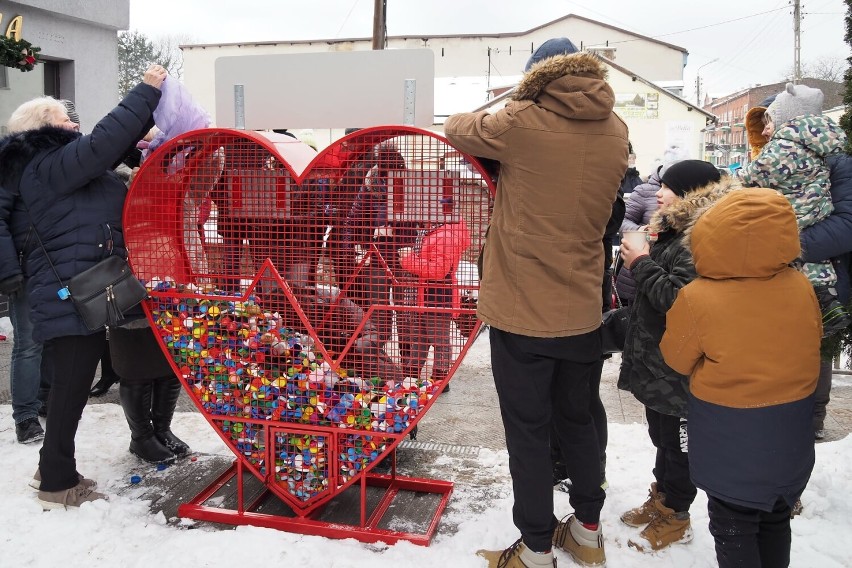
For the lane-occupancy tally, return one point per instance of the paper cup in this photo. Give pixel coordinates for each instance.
(637, 239)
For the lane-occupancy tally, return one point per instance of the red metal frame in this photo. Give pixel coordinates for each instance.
(366, 531)
(157, 226)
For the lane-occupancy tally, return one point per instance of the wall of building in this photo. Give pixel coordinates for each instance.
(499, 58)
(81, 38)
(726, 142)
(662, 127)
(670, 131)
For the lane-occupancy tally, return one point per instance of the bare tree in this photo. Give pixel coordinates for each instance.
(169, 46)
(825, 68)
(136, 51)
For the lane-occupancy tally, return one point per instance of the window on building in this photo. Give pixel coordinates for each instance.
(51, 79)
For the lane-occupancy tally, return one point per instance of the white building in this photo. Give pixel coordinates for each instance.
(663, 126)
(79, 54)
(499, 58)
(469, 68)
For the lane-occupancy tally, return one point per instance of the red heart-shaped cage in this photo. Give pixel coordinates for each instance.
(313, 305)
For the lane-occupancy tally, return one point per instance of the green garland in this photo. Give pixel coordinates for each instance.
(18, 54)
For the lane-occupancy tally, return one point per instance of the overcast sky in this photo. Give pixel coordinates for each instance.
(753, 39)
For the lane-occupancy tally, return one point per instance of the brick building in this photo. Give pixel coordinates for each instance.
(725, 142)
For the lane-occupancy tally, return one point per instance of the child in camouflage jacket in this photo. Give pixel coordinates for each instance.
(793, 163)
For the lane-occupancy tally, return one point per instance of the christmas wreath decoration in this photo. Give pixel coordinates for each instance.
(18, 54)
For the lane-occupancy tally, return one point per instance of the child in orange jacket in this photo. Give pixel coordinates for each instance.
(747, 333)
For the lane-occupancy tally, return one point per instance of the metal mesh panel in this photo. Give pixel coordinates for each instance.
(333, 294)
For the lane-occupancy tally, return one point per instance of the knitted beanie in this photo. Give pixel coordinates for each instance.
(550, 48)
(687, 175)
(71, 111)
(793, 101)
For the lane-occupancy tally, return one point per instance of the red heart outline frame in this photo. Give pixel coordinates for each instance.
(155, 228)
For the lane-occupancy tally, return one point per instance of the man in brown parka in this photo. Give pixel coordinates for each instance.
(562, 153)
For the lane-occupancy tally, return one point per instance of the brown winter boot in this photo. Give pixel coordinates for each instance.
(584, 545)
(517, 556)
(665, 529)
(644, 513)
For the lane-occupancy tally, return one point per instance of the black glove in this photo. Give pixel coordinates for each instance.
(12, 285)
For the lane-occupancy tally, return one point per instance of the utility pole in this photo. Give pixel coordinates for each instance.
(797, 41)
(379, 23)
(698, 81)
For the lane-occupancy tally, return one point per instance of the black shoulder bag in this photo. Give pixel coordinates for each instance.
(614, 326)
(102, 293)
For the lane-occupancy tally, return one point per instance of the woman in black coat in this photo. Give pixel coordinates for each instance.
(74, 203)
(831, 239)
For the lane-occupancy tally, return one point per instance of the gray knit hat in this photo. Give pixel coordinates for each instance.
(71, 110)
(793, 101)
(550, 48)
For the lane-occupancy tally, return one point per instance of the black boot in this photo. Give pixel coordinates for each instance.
(136, 402)
(103, 385)
(166, 393)
(108, 375)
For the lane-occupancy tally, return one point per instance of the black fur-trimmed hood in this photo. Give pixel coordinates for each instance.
(571, 85)
(17, 150)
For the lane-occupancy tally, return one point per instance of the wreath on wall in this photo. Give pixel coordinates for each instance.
(18, 54)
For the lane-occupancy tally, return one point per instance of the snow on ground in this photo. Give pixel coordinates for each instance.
(122, 532)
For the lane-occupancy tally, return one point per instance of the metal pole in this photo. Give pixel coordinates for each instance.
(379, 23)
(797, 41)
(408, 102)
(239, 107)
(698, 81)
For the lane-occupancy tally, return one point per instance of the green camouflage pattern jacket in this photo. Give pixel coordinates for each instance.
(793, 162)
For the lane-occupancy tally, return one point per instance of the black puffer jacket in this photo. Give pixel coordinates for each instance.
(831, 238)
(659, 277)
(75, 201)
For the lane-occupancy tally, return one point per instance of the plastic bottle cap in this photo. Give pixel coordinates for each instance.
(134, 479)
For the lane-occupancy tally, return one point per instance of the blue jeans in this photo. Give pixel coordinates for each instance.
(25, 370)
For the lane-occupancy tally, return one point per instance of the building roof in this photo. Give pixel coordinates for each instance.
(444, 36)
(627, 72)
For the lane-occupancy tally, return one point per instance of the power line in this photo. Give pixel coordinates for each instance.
(704, 27)
(346, 19)
(743, 51)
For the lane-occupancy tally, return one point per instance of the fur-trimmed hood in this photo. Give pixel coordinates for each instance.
(682, 215)
(18, 149)
(571, 85)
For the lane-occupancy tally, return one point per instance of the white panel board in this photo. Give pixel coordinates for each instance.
(326, 90)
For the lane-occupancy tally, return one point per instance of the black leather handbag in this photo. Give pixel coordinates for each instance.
(614, 325)
(614, 329)
(104, 292)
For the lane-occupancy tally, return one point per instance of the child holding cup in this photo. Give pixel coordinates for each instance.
(661, 269)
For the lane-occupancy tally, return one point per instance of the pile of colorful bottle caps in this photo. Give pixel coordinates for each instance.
(242, 363)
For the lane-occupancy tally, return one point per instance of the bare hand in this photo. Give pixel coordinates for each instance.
(154, 75)
(630, 253)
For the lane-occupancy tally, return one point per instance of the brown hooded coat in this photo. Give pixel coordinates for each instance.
(741, 249)
(563, 153)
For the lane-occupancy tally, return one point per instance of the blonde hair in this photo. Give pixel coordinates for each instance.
(34, 114)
